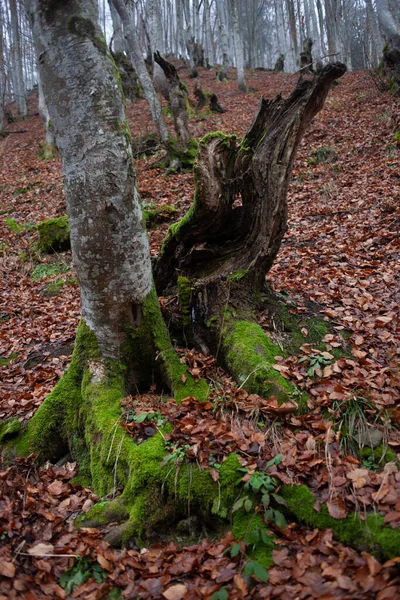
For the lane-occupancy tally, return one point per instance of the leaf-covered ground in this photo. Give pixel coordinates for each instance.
(341, 252)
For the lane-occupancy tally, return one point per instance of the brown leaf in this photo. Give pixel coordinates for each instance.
(336, 508)
(183, 378)
(359, 477)
(214, 474)
(41, 549)
(104, 563)
(7, 569)
(175, 592)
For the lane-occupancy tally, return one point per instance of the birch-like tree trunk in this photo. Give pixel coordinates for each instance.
(224, 39)
(138, 63)
(2, 76)
(49, 147)
(118, 38)
(238, 43)
(109, 245)
(16, 57)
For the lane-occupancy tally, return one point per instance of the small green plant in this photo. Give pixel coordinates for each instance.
(81, 572)
(221, 594)
(14, 226)
(178, 455)
(48, 270)
(316, 363)
(153, 417)
(322, 155)
(260, 483)
(396, 136)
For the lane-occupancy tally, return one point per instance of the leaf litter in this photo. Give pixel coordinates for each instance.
(341, 252)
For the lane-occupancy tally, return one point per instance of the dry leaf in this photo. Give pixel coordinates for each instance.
(175, 592)
(41, 549)
(7, 569)
(336, 508)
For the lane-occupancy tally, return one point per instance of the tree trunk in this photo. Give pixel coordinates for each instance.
(140, 67)
(230, 237)
(109, 244)
(238, 43)
(48, 150)
(389, 23)
(224, 40)
(2, 77)
(178, 99)
(17, 76)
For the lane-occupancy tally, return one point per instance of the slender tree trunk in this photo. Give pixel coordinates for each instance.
(238, 43)
(374, 35)
(140, 68)
(2, 76)
(118, 38)
(224, 39)
(50, 141)
(18, 80)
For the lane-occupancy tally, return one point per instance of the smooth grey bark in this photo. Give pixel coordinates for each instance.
(137, 60)
(16, 58)
(155, 31)
(109, 245)
(118, 38)
(224, 39)
(238, 44)
(2, 76)
(375, 38)
(48, 125)
(208, 43)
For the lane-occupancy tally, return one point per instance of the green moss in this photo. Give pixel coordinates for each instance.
(153, 215)
(47, 152)
(227, 140)
(152, 340)
(244, 524)
(54, 235)
(9, 429)
(371, 535)
(375, 458)
(249, 356)
(184, 298)
(237, 275)
(4, 361)
(123, 128)
(86, 28)
(48, 270)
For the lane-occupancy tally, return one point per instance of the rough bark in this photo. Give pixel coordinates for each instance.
(229, 239)
(109, 244)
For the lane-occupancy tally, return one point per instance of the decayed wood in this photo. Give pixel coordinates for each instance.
(177, 100)
(239, 214)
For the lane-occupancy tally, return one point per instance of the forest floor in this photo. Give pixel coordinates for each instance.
(341, 251)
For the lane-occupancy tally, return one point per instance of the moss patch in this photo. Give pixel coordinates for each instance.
(9, 429)
(249, 356)
(54, 235)
(371, 535)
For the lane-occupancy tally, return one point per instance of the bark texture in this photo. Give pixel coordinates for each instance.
(230, 237)
(109, 244)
